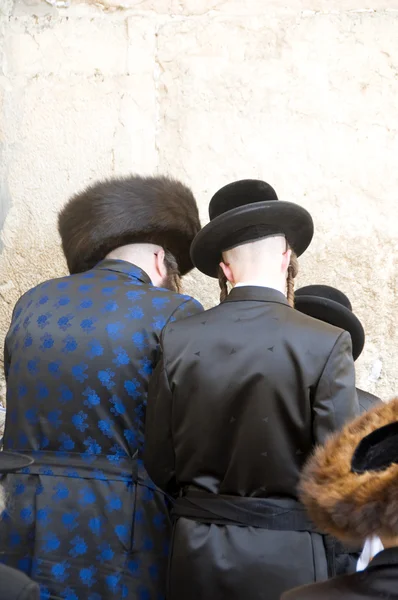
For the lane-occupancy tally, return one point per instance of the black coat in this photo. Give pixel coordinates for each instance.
(366, 400)
(378, 580)
(15, 585)
(240, 397)
(85, 516)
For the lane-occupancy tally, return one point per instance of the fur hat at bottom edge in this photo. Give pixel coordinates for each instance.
(127, 210)
(346, 504)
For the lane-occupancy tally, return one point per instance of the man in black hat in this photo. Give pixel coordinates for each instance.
(86, 521)
(241, 395)
(330, 305)
(350, 488)
(14, 585)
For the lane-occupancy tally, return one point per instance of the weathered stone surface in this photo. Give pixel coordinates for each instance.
(308, 103)
(301, 93)
(65, 46)
(237, 7)
(66, 133)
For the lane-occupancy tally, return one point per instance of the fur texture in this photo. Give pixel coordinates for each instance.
(349, 506)
(117, 212)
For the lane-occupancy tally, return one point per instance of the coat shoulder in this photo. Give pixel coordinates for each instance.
(315, 325)
(15, 585)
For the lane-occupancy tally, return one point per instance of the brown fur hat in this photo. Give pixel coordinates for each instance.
(349, 505)
(128, 210)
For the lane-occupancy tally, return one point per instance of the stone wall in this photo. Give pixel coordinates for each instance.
(302, 93)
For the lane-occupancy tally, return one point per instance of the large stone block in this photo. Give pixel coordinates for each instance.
(78, 45)
(229, 7)
(307, 103)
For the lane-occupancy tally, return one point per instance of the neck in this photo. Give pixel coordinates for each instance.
(140, 255)
(264, 281)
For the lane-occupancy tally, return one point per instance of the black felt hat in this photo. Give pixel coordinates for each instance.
(377, 451)
(328, 304)
(13, 461)
(245, 211)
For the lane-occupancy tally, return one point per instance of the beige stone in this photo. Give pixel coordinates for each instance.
(235, 7)
(301, 93)
(308, 103)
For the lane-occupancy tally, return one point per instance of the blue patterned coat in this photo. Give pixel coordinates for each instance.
(85, 521)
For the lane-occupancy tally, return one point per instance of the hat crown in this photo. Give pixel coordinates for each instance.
(377, 451)
(128, 210)
(327, 292)
(240, 193)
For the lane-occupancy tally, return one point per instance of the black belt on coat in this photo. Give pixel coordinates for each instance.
(280, 514)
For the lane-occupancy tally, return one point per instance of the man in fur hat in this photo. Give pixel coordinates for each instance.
(350, 488)
(240, 396)
(332, 306)
(86, 521)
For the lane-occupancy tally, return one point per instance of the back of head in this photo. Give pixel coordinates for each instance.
(130, 210)
(267, 260)
(258, 257)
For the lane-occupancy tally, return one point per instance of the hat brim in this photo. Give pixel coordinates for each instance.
(13, 461)
(288, 219)
(335, 314)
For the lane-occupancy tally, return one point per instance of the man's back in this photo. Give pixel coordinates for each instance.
(253, 391)
(79, 355)
(240, 397)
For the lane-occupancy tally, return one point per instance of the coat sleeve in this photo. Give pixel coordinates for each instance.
(188, 308)
(30, 592)
(7, 359)
(159, 458)
(335, 400)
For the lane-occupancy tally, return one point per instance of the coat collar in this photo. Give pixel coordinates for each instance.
(122, 266)
(385, 558)
(256, 293)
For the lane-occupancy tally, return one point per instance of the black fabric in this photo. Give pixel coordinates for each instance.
(378, 580)
(245, 211)
(241, 395)
(377, 451)
(13, 461)
(366, 400)
(324, 291)
(15, 585)
(331, 306)
(279, 515)
(240, 193)
(249, 234)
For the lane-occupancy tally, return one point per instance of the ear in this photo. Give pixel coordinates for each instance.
(228, 272)
(160, 265)
(286, 260)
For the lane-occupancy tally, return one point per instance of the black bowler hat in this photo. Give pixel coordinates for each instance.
(245, 211)
(13, 461)
(328, 304)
